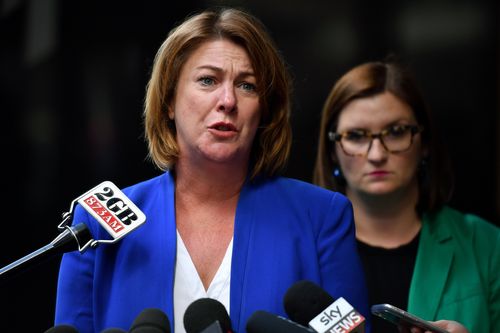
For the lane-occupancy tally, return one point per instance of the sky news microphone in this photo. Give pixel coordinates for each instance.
(304, 300)
(266, 322)
(310, 305)
(116, 213)
(207, 315)
(63, 328)
(151, 320)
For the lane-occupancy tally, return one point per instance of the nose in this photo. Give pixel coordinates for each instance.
(377, 151)
(227, 99)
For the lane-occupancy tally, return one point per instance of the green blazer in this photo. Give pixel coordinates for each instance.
(457, 271)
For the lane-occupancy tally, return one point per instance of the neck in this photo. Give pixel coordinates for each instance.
(387, 220)
(210, 183)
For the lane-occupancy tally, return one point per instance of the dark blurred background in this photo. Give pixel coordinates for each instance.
(73, 76)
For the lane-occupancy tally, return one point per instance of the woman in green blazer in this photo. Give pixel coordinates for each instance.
(378, 146)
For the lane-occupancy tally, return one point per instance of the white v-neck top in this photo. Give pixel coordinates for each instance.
(188, 286)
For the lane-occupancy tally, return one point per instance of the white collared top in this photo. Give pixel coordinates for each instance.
(188, 286)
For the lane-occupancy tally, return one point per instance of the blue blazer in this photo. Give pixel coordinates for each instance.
(285, 230)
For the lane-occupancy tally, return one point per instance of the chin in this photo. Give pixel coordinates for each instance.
(226, 152)
(222, 156)
(381, 189)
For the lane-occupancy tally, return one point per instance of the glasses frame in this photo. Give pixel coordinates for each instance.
(337, 137)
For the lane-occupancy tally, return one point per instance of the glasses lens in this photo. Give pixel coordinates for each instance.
(355, 142)
(398, 138)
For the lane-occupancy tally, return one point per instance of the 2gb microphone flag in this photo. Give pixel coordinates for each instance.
(116, 213)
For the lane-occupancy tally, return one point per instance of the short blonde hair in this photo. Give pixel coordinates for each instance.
(272, 143)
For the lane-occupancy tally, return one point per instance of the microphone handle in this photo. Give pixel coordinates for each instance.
(66, 241)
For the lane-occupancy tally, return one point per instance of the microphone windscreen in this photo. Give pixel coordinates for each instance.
(265, 322)
(203, 312)
(62, 329)
(304, 300)
(151, 320)
(113, 330)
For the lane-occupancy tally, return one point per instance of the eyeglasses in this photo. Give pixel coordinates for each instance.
(357, 142)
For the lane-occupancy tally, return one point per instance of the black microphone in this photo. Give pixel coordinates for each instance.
(113, 330)
(308, 304)
(63, 328)
(151, 320)
(207, 315)
(108, 205)
(265, 322)
(304, 300)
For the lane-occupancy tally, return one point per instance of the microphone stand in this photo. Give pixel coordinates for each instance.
(78, 236)
(71, 238)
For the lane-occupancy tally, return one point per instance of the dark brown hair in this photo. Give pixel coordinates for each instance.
(271, 146)
(369, 79)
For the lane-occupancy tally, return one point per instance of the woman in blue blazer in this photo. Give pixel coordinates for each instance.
(220, 222)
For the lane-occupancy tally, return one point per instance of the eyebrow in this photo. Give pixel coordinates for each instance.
(366, 127)
(220, 70)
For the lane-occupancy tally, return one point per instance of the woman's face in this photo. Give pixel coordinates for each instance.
(378, 172)
(216, 107)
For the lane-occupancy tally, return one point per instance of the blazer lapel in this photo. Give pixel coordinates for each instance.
(166, 194)
(432, 266)
(243, 227)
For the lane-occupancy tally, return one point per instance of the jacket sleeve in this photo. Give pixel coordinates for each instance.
(486, 247)
(341, 269)
(495, 287)
(74, 289)
(494, 283)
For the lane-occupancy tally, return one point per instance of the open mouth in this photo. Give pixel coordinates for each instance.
(223, 127)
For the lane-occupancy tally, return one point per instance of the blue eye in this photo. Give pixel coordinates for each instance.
(248, 86)
(206, 81)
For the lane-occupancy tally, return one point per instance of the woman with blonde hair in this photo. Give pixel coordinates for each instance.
(221, 221)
